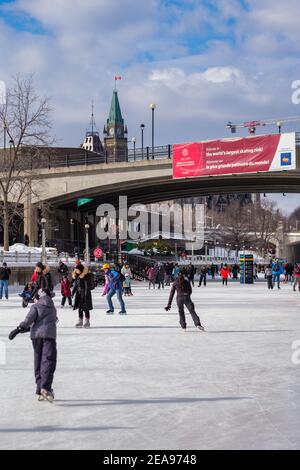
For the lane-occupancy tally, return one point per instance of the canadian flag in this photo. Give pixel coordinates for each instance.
(118, 77)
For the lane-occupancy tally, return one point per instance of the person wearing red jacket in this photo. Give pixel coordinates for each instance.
(225, 272)
(65, 288)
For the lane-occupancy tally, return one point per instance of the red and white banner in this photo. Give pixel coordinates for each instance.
(232, 156)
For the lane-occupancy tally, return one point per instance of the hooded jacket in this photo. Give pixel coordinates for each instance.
(225, 272)
(43, 280)
(42, 319)
(82, 292)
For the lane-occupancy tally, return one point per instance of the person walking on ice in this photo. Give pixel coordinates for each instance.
(41, 320)
(183, 289)
(83, 297)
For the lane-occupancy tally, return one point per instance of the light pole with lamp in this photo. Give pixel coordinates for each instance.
(205, 243)
(244, 255)
(43, 222)
(217, 244)
(133, 140)
(142, 126)
(152, 107)
(193, 241)
(87, 247)
(228, 248)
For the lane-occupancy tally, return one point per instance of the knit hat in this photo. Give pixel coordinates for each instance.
(106, 266)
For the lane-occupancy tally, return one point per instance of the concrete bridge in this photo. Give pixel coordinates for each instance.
(143, 182)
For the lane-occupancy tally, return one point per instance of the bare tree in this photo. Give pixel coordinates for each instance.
(235, 225)
(25, 120)
(265, 219)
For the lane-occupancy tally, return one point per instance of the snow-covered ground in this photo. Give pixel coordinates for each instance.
(139, 382)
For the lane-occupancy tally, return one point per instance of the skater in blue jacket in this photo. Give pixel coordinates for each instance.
(277, 270)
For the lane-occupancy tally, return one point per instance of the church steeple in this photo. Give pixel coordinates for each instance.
(115, 130)
(115, 115)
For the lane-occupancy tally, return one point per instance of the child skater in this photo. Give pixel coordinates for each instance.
(65, 287)
(41, 320)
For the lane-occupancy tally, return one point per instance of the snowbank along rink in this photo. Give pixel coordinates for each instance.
(140, 382)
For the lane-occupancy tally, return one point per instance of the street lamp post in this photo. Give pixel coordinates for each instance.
(205, 243)
(87, 247)
(133, 140)
(194, 239)
(43, 222)
(228, 249)
(217, 244)
(244, 264)
(152, 106)
(142, 126)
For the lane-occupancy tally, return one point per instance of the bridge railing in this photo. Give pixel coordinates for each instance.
(52, 160)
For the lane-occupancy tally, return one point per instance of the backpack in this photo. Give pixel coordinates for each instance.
(276, 268)
(121, 277)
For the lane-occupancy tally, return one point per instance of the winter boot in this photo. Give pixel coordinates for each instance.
(80, 323)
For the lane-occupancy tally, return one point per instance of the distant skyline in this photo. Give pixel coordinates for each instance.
(202, 62)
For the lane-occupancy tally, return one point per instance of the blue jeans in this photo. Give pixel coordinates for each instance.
(276, 277)
(111, 293)
(4, 285)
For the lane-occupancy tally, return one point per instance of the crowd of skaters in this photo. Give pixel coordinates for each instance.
(76, 288)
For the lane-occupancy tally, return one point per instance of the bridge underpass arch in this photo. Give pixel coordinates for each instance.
(146, 191)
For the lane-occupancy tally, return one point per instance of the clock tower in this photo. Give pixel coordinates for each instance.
(115, 142)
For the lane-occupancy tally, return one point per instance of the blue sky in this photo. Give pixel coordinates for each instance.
(202, 62)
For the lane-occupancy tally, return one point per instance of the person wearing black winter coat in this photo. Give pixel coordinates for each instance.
(183, 289)
(42, 319)
(83, 296)
(4, 279)
(43, 279)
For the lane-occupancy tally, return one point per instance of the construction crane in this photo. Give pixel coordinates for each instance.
(252, 125)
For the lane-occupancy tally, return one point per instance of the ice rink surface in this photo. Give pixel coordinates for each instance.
(140, 382)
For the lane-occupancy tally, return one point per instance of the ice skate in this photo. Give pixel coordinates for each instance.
(200, 327)
(87, 324)
(79, 324)
(109, 312)
(49, 396)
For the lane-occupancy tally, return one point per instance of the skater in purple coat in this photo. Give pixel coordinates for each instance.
(41, 320)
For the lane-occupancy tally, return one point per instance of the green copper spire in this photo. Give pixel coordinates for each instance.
(115, 115)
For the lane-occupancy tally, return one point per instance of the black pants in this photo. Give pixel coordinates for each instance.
(224, 281)
(187, 301)
(45, 355)
(80, 313)
(270, 282)
(63, 300)
(202, 278)
(191, 279)
(161, 283)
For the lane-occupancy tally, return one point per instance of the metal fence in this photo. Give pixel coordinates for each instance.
(132, 155)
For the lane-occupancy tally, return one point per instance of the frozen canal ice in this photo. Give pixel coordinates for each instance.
(140, 382)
